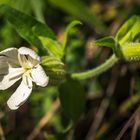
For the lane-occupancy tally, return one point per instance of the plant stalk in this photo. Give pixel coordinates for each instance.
(98, 70)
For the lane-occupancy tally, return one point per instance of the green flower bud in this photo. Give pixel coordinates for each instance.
(131, 51)
(54, 68)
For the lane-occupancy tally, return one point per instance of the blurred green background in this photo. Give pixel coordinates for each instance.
(111, 98)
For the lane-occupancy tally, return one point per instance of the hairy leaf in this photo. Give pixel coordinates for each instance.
(68, 30)
(54, 47)
(27, 27)
(129, 31)
(106, 41)
(72, 97)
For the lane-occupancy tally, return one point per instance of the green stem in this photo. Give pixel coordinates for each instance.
(98, 70)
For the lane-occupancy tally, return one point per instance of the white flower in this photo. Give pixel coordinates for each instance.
(16, 64)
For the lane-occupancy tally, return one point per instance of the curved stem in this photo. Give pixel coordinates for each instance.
(98, 70)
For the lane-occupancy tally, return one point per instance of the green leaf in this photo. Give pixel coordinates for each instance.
(20, 5)
(54, 47)
(26, 26)
(106, 41)
(73, 98)
(68, 30)
(38, 8)
(79, 10)
(129, 31)
(4, 1)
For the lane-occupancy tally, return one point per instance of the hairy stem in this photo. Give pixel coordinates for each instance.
(98, 70)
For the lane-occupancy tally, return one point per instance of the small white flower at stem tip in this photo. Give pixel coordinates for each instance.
(24, 64)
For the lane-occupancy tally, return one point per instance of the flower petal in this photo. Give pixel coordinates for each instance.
(3, 66)
(10, 56)
(27, 51)
(10, 72)
(28, 58)
(19, 96)
(13, 75)
(27, 80)
(39, 76)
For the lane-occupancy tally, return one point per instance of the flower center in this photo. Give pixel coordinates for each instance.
(27, 71)
(27, 76)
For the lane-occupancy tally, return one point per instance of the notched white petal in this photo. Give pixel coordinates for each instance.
(27, 80)
(39, 76)
(27, 51)
(9, 52)
(27, 61)
(3, 67)
(14, 74)
(19, 96)
(10, 56)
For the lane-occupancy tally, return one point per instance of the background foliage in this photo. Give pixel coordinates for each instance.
(92, 109)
